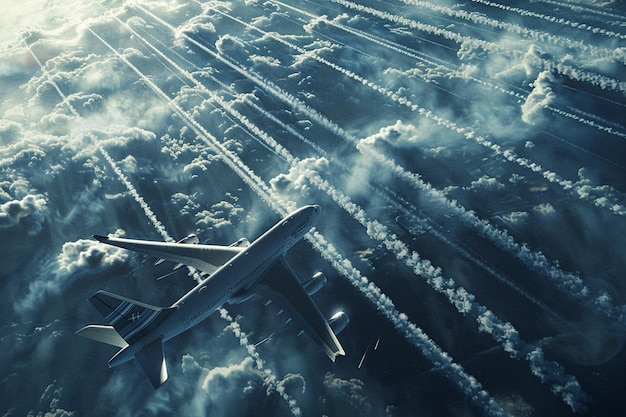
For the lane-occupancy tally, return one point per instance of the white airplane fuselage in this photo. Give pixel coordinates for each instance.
(237, 275)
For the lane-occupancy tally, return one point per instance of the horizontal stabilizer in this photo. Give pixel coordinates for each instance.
(152, 361)
(103, 334)
(127, 316)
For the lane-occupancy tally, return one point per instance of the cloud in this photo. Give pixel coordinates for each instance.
(485, 183)
(296, 180)
(76, 260)
(347, 397)
(399, 134)
(88, 254)
(545, 209)
(23, 216)
(220, 215)
(9, 131)
(540, 97)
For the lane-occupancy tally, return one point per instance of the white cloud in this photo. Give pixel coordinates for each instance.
(296, 179)
(75, 260)
(485, 183)
(545, 209)
(88, 254)
(541, 96)
(398, 134)
(219, 215)
(29, 214)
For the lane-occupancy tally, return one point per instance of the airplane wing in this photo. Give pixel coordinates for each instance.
(281, 284)
(206, 258)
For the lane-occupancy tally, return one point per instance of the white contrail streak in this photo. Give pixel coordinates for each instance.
(574, 73)
(468, 385)
(427, 72)
(569, 283)
(51, 80)
(606, 200)
(557, 20)
(269, 377)
(530, 33)
(135, 194)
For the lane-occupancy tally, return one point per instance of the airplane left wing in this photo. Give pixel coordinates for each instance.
(281, 284)
(206, 258)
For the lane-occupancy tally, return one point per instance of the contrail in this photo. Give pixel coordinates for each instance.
(607, 200)
(269, 377)
(580, 7)
(558, 20)
(367, 348)
(570, 284)
(574, 73)
(51, 80)
(530, 33)
(133, 192)
(468, 385)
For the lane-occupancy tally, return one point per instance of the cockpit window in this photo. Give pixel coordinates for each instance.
(287, 221)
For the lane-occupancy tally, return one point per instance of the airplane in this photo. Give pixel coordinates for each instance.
(234, 274)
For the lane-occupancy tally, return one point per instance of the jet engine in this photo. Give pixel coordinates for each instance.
(241, 243)
(338, 321)
(314, 284)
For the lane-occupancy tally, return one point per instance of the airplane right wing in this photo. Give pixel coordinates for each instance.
(281, 284)
(206, 258)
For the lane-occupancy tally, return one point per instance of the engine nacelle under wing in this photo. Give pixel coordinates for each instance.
(241, 243)
(314, 284)
(338, 322)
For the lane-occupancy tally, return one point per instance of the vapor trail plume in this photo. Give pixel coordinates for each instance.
(558, 20)
(607, 200)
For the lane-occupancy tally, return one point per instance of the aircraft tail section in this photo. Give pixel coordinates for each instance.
(128, 317)
(127, 322)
